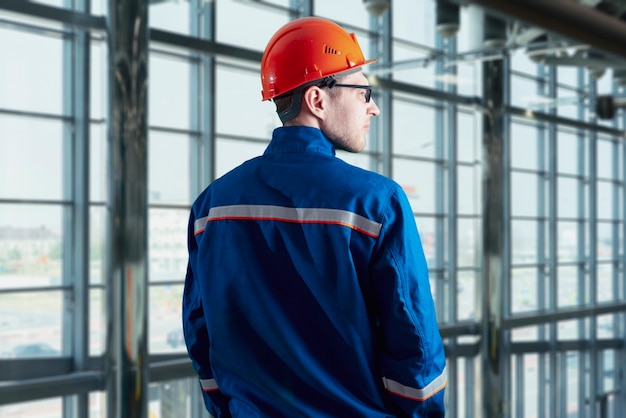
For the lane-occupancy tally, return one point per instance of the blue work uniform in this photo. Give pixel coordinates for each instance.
(307, 291)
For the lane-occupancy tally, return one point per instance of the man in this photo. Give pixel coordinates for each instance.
(307, 291)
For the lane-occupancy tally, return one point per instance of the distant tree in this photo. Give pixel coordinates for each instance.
(14, 254)
(55, 252)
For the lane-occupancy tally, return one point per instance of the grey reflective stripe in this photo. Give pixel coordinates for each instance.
(285, 214)
(208, 385)
(432, 388)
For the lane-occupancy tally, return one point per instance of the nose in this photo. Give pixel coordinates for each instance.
(373, 108)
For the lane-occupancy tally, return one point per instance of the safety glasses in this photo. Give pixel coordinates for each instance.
(331, 82)
(368, 89)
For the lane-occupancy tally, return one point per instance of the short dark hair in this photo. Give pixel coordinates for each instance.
(284, 102)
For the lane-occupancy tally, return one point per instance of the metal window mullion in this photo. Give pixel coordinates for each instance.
(562, 376)
(449, 136)
(593, 264)
(202, 100)
(445, 250)
(301, 8)
(470, 376)
(581, 234)
(620, 399)
(505, 294)
(542, 157)
(553, 246)
(519, 385)
(381, 134)
(76, 72)
(440, 256)
(615, 244)
(202, 113)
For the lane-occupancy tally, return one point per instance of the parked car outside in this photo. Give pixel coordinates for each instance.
(175, 338)
(33, 350)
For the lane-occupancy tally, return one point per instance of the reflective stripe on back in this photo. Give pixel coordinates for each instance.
(438, 384)
(286, 214)
(208, 385)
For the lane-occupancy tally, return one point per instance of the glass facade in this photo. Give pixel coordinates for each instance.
(560, 297)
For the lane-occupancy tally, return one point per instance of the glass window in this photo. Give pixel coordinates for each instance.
(414, 129)
(568, 102)
(521, 63)
(604, 159)
(524, 290)
(567, 75)
(567, 241)
(524, 94)
(420, 73)
(467, 138)
(524, 194)
(172, 398)
(99, 7)
(523, 242)
(346, 13)
(168, 168)
(97, 244)
(172, 16)
(567, 330)
(30, 329)
(417, 180)
(414, 21)
(525, 334)
(30, 82)
(604, 282)
(468, 200)
(567, 294)
(97, 322)
(231, 153)
(468, 240)
(524, 146)
(569, 155)
(98, 160)
(426, 230)
(467, 77)
(165, 326)
(99, 79)
(168, 244)
(239, 98)
(31, 245)
(97, 405)
(361, 159)
(567, 204)
(465, 297)
(32, 160)
(606, 204)
(247, 25)
(169, 99)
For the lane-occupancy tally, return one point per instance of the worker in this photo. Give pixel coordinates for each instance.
(307, 290)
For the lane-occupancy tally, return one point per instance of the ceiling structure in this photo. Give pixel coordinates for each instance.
(580, 33)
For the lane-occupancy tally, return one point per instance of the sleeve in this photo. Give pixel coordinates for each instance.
(412, 359)
(197, 336)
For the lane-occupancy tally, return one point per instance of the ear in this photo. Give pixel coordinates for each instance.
(315, 100)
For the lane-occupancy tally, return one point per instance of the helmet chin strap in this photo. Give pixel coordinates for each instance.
(296, 97)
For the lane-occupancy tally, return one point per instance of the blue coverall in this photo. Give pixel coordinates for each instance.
(307, 291)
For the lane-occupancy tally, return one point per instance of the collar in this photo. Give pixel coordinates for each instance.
(299, 139)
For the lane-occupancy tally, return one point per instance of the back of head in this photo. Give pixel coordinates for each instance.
(303, 52)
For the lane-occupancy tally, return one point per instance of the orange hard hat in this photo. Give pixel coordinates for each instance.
(305, 50)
